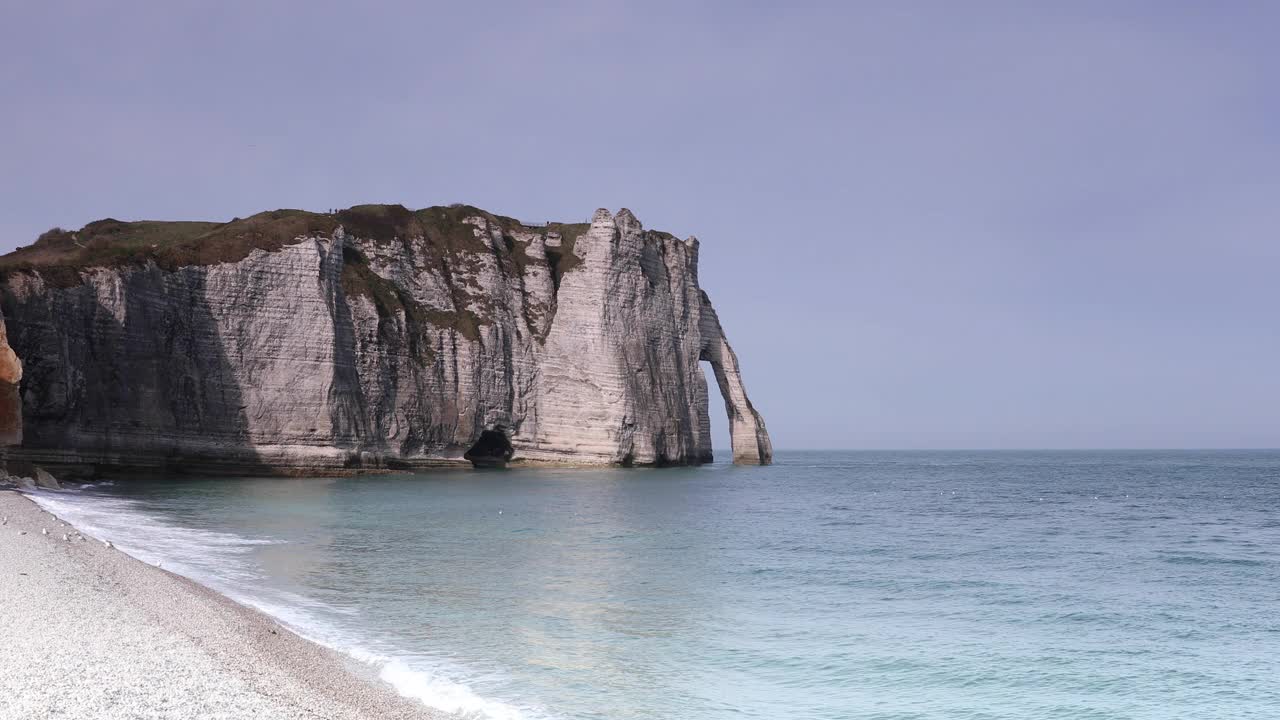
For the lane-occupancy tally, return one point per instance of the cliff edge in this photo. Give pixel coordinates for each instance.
(370, 338)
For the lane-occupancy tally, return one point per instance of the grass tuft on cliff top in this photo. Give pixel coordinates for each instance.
(59, 255)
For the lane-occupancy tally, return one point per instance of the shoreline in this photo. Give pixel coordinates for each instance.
(73, 467)
(88, 631)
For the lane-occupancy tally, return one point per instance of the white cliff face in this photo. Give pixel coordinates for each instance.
(492, 341)
(621, 380)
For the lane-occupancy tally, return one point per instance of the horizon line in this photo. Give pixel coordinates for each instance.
(1018, 449)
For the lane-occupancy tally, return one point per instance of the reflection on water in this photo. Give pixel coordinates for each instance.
(831, 585)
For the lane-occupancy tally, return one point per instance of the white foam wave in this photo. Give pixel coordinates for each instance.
(213, 558)
(435, 689)
(221, 561)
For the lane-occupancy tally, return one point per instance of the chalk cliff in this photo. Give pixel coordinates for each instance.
(373, 337)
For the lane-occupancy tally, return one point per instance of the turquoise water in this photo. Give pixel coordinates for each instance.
(873, 585)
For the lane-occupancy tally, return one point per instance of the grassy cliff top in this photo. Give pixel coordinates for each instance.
(59, 255)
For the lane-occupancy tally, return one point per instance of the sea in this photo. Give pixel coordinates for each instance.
(975, 585)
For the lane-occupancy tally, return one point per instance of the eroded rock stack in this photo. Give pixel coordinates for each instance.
(375, 337)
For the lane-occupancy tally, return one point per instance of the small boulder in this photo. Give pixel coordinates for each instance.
(44, 480)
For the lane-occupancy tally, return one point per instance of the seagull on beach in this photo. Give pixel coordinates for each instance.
(44, 531)
(108, 543)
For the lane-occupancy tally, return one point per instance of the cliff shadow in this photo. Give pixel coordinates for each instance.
(348, 406)
(131, 376)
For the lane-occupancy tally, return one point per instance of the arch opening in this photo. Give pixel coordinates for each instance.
(715, 441)
(747, 436)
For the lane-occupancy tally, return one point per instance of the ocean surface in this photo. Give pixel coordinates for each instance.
(871, 585)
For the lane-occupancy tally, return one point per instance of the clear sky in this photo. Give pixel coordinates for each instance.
(924, 224)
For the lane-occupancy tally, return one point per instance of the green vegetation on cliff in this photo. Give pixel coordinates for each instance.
(60, 255)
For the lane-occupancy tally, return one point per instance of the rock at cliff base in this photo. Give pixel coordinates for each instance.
(43, 479)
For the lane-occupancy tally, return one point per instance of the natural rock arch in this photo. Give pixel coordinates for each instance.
(747, 433)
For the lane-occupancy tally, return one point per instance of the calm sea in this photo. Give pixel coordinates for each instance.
(871, 585)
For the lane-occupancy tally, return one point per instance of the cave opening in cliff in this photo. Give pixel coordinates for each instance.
(491, 450)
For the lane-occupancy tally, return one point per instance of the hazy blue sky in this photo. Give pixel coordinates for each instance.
(924, 224)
